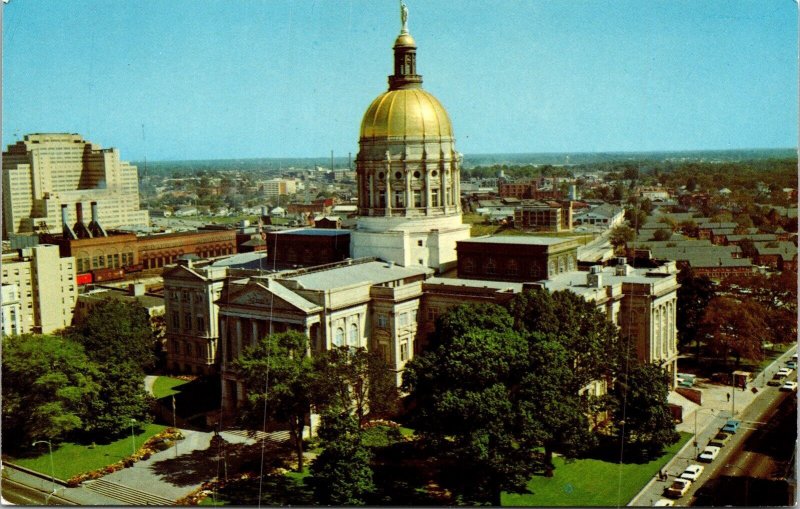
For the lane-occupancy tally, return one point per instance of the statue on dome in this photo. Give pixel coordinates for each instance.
(404, 16)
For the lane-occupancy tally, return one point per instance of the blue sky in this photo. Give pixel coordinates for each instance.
(280, 78)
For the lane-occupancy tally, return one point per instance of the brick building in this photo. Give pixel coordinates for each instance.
(303, 247)
(516, 258)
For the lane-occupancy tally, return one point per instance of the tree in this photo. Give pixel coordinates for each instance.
(279, 378)
(561, 415)
(116, 330)
(469, 409)
(689, 228)
(636, 217)
(693, 297)
(355, 378)
(734, 327)
(620, 236)
(579, 326)
(641, 410)
(661, 235)
(748, 248)
(48, 384)
(341, 474)
(121, 398)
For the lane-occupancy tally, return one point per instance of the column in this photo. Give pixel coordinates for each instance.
(427, 191)
(255, 338)
(409, 201)
(223, 336)
(443, 186)
(388, 210)
(370, 196)
(238, 337)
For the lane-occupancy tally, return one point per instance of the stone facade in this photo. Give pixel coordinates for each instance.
(520, 258)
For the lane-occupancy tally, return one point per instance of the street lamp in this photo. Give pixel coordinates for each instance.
(696, 444)
(133, 437)
(52, 469)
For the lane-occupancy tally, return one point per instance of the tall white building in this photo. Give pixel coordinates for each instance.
(408, 173)
(47, 170)
(46, 286)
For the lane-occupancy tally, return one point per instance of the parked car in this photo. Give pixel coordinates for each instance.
(791, 364)
(789, 386)
(678, 488)
(785, 371)
(709, 454)
(732, 426)
(777, 379)
(692, 472)
(664, 502)
(720, 439)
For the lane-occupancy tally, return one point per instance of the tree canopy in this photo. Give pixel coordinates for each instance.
(279, 378)
(48, 386)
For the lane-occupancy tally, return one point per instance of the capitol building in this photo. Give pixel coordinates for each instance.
(408, 172)
(387, 295)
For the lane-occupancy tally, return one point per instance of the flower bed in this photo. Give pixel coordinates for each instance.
(158, 442)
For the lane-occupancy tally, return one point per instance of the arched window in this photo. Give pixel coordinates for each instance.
(512, 267)
(491, 266)
(354, 335)
(561, 265)
(469, 265)
(551, 268)
(338, 339)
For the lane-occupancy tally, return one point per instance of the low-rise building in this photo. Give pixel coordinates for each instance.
(516, 258)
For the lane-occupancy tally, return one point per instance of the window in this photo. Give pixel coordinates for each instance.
(187, 321)
(469, 265)
(188, 349)
(403, 350)
(403, 319)
(417, 198)
(561, 265)
(382, 320)
(433, 314)
(419, 243)
(491, 266)
(512, 268)
(570, 263)
(338, 339)
(551, 268)
(354, 335)
(398, 199)
(201, 324)
(434, 197)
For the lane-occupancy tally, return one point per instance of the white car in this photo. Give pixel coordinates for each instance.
(678, 488)
(789, 386)
(709, 454)
(785, 371)
(664, 502)
(692, 472)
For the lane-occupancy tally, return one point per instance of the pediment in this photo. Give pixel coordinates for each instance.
(256, 295)
(182, 273)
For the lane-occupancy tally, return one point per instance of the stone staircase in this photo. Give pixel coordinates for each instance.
(126, 495)
(275, 437)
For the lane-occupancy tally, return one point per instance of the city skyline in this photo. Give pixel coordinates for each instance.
(217, 80)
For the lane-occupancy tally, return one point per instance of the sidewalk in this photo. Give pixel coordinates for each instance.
(706, 420)
(162, 479)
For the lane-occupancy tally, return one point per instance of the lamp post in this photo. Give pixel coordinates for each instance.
(696, 444)
(52, 469)
(133, 438)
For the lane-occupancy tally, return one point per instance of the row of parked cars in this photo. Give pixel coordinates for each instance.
(681, 485)
(780, 377)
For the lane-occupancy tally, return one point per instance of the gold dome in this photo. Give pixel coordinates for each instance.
(411, 112)
(405, 40)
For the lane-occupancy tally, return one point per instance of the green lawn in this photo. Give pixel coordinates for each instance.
(70, 459)
(591, 482)
(165, 386)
